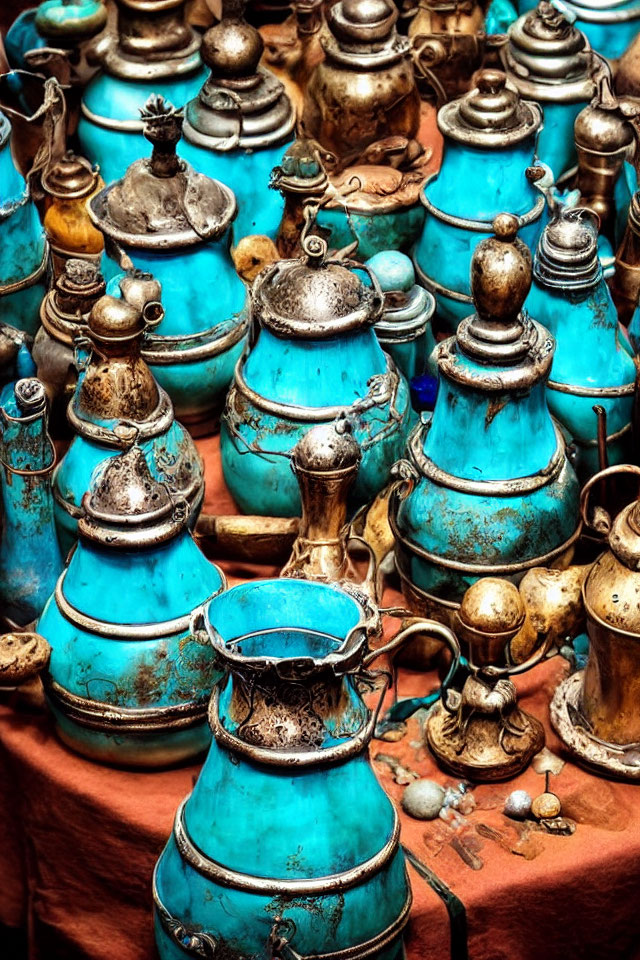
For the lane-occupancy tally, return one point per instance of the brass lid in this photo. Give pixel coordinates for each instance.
(162, 202)
(65, 20)
(362, 34)
(126, 507)
(548, 57)
(71, 178)
(603, 126)
(153, 41)
(327, 448)
(117, 320)
(300, 170)
(567, 254)
(490, 115)
(313, 298)
(242, 103)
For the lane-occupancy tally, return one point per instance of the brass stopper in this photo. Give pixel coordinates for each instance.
(71, 178)
(491, 613)
(114, 321)
(232, 49)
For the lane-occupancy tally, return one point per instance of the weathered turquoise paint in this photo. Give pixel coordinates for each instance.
(338, 816)
(626, 186)
(609, 39)
(116, 102)
(23, 247)
(316, 375)
(590, 355)
(556, 146)
(248, 173)
(53, 23)
(30, 560)
(442, 255)
(500, 15)
(192, 353)
(393, 230)
(171, 668)
(404, 331)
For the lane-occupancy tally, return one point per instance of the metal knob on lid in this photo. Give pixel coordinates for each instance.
(567, 254)
(492, 114)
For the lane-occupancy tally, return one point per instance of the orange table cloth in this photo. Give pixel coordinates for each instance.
(78, 842)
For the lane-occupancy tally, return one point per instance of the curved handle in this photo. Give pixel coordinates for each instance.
(369, 584)
(22, 657)
(602, 522)
(405, 477)
(431, 627)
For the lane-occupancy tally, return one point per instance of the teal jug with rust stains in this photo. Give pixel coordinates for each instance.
(54, 24)
(152, 51)
(548, 60)
(592, 382)
(490, 139)
(609, 25)
(316, 840)
(236, 129)
(486, 488)
(128, 682)
(30, 559)
(116, 399)
(175, 223)
(314, 357)
(24, 251)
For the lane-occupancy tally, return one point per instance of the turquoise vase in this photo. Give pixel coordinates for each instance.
(315, 841)
(591, 366)
(128, 680)
(486, 488)
(59, 24)
(490, 137)
(30, 559)
(314, 358)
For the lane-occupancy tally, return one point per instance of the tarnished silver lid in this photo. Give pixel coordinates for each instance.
(548, 58)
(162, 202)
(362, 34)
(313, 298)
(153, 41)
(490, 115)
(326, 448)
(126, 507)
(242, 104)
(567, 254)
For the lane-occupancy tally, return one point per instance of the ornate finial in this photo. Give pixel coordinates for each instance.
(567, 255)
(163, 129)
(30, 396)
(232, 48)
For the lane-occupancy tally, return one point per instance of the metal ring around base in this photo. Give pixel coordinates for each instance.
(478, 226)
(278, 887)
(625, 390)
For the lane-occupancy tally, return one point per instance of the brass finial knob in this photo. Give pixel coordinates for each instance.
(501, 272)
(232, 49)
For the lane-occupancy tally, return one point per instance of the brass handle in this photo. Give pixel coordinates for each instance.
(604, 524)
(420, 626)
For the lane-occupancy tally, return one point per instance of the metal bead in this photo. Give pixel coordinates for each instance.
(423, 799)
(518, 805)
(546, 806)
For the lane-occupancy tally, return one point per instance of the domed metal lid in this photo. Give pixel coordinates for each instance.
(567, 255)
(363, 34)
(327, 448)
(500, 333)
(490, 115)
(126, 507)
(242, 104)
(117, 320)
(547, 57)
(63, 19)
(313, 298)
(71, 178)
(162, 202)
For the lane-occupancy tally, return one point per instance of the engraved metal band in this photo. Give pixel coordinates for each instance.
(477, 569)
(158, 422)
(26, 472)
(202, 351)
(491, 488)
(126, 631)
(479, 226)
(625, 390)
(97, 715)
(198, 943)
(9, 288)
(279, 887)
(294, 411)
(351, 747)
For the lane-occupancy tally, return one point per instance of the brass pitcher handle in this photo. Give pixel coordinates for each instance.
(22, 657)
(370, 583)
(603, 524)
(431, 627)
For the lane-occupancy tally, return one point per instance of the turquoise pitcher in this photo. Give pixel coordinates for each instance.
(315, 842)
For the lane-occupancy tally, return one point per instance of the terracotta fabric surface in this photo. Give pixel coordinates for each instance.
(78, 841)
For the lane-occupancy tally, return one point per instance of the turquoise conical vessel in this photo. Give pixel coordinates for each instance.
(315, 838)
(30, 559)
(128, 680)
(486, 488)
(592, 363)
(152, 51)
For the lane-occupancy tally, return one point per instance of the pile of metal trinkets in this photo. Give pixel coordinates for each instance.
(391, 253)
